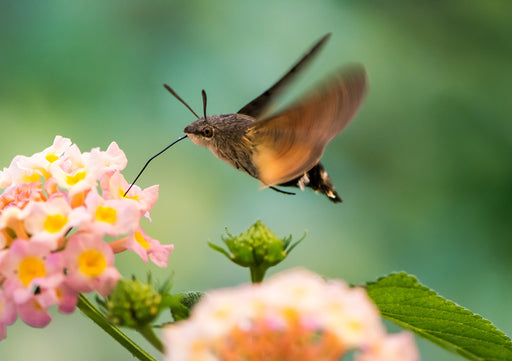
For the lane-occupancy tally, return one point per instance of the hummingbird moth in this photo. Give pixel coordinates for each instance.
(283, 149)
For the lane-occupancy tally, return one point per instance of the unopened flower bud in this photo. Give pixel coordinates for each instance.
(133, 304)
(182, 303)
(257, 248)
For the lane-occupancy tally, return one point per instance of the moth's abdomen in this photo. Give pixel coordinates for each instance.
(318, 180)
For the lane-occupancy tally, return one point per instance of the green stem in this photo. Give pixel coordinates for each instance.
(97, 317)
(257, 274)
(149, 334)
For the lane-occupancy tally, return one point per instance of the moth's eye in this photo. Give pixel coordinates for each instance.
(207, 132)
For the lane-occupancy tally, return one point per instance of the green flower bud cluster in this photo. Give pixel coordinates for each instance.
(257, 248)
(133, 304)
(182, 303)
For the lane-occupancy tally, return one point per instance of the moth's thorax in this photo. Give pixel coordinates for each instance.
(226, 137)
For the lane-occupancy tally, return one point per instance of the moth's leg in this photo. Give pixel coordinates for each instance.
(281, 191)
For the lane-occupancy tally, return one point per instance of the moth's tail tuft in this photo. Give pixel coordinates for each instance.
(318, 180)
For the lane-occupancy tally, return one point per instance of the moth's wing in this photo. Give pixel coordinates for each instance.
(258, 106)
(292, 142)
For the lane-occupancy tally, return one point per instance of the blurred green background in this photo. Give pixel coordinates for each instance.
(424, 170)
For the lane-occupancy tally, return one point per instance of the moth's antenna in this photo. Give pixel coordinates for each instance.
(204, 104)
(150, 159)
(181, 100)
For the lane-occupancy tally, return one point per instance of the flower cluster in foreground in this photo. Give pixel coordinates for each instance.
(59, 209)
(293, 316)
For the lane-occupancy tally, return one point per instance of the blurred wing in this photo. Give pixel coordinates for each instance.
(258, 106)
(291, 143)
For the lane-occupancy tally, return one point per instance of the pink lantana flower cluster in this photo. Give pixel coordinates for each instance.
(56, 211)
(293, 316)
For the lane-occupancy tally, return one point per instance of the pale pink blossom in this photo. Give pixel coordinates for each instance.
(114, 158)
(144, 245)
(28, 268)
(56, 150)
(21, 170)
(90, 264)
(113, 217)
(72, 159)
(32, 313)
(62, 295)
(67, 298)
(114, 186)
(40, 162)
(75, 173)
(49, 221)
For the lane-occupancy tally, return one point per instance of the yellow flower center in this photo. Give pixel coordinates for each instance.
(30, 268)
(50, 157)
(92, 263)
(106, 214)
(121, 193)
(74, 179)
(34, 177)
(355, 326)
(140, 240)
(54, 223)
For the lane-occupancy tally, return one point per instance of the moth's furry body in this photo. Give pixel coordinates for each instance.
(231, 142)
(285, 149)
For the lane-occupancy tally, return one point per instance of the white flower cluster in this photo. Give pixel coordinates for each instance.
(293, 316)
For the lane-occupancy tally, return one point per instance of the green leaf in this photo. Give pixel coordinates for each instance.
(404, 301)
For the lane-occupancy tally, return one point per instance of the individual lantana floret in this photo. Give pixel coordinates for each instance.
(22, 170)
(49, 221)
(33, 313)
(114, 158)
(31, 275)
(114, 186)
(145, 246)
(285, 318)
(114, 217)
(77, 174)
(27, 268)
(89, 264)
